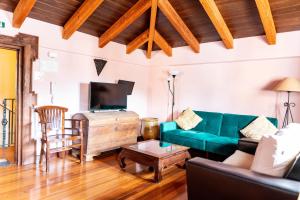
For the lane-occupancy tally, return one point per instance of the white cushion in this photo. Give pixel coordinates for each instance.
(275, 153)
(259, 127)
(240, 159)
(188, 119)
(293, 128)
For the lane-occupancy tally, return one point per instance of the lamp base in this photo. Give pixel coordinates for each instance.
(288, 114)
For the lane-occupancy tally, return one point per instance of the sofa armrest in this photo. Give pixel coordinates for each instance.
(247, 145)
(207, 179)
(168, 126)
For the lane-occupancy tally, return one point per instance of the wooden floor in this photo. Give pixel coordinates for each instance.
(99, 179)
(8, 153)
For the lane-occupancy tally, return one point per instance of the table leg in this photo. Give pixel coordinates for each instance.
(157, 174)
(121, 159)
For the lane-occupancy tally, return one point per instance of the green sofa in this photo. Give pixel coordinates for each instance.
(217, 133)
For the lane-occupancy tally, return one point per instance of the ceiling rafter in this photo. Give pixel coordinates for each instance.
(151, 35)
(152, 27)
(87, 8)
(178, 24)
(218, 21)
(162, 43)
(135, 12)
(128, 18)
(266, 17)
(144, 37)
(22, 11)
(138, 42)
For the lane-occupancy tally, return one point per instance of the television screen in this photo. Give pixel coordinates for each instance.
(107, 96)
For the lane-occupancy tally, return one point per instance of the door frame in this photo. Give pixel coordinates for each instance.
(27, 49)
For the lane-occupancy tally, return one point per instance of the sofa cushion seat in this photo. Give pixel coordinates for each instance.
(193, 139)
(222, 145)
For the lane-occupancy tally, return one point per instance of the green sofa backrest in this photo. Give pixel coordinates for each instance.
(233, 123)
(211, 122)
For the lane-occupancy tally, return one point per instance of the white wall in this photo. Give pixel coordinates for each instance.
(76, 65)
(76, 70)
(234, 81)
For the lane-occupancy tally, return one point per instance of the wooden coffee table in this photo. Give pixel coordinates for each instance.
(155, 154)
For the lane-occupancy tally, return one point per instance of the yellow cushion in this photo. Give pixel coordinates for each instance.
(188, 119)
(259, 127)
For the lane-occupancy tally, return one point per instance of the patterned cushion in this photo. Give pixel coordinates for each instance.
(188, 119)
(259, 127)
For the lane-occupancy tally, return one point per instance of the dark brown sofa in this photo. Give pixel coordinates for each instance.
(211, 180)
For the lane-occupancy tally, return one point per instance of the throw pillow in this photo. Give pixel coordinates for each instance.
(259, 127)
(292, 128)
(275, 154)
(240, 159)
(294, 171)
(188, 119)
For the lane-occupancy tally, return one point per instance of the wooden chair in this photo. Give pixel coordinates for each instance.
(52, 120)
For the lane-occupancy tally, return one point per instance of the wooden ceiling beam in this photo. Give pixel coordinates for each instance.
(80, 16)
(22, 11)
(162, 43)
(218, 21)
(129, 17)
(152, 27)
(178, 24)
(266, 17)
(137, 42)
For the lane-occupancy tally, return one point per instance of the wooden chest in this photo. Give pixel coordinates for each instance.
(103, 131)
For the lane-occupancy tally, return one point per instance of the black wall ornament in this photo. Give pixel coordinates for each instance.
(99, 65)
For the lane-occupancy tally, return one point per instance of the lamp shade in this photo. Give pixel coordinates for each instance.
(288, 85)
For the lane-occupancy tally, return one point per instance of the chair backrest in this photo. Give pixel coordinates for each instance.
(53, 116)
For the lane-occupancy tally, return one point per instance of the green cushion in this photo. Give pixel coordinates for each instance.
(221, 145)
(233, 123)
(190, 138)
(211, 122)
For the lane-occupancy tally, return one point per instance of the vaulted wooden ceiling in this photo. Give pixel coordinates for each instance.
(168, 23)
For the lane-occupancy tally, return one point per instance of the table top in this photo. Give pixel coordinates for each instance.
(156, 148)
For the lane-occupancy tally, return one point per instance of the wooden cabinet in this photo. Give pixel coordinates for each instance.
(104, 131)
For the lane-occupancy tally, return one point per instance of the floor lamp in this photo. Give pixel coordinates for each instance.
(288, 85)
(173, 74)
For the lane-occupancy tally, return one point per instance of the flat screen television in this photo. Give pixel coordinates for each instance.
(107, 96)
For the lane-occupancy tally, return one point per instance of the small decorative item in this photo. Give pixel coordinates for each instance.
(288, 85)
(173, 74)
(99, 65)
(2, 24)
(150, 129)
